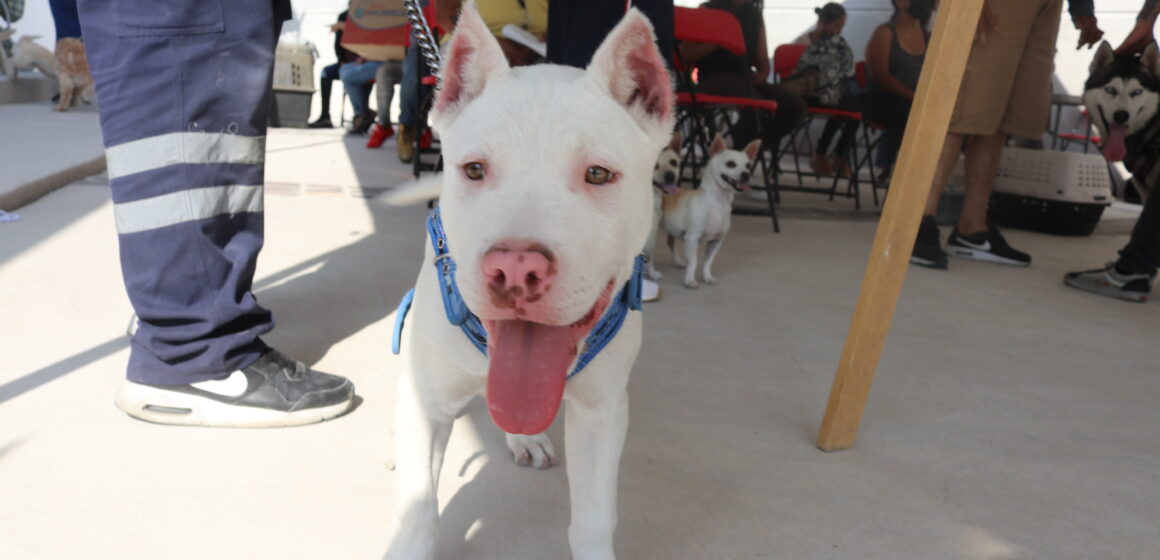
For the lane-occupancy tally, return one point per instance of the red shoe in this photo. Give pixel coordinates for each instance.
(425, 139)
(379, 135)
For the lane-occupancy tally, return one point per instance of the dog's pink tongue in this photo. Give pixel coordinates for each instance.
(1114, 147)
(527, 370)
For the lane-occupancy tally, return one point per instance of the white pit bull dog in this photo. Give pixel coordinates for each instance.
(531, 262)
(705, 214)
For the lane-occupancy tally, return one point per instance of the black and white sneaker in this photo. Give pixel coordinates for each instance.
(1112, 283)
(274, 391)
(927, 251)
(989, 246)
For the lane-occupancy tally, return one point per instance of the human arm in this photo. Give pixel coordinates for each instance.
(1083, 16)
(692, 53)
(878, 59)
(1141, 35)
(762, 64)
(988, 22)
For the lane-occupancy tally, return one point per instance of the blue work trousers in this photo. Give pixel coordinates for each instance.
(184, 90)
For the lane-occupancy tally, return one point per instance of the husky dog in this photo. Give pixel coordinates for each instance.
(531, 277)
(1122, 94)
(704, 214)
(665, 174)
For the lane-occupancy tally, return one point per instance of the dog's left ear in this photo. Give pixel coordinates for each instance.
(675, 143)
(752, 148)
(629, 67)
(1151, 58)
(473, 59)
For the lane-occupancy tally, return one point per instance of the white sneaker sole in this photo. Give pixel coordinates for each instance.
(168, 407)
(985, 256)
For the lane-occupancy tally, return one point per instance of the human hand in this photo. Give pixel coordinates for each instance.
(336, 26)
(1089, 31)
(988, 22)
(1140, 37)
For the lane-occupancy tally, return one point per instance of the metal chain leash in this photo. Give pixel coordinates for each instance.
(424, 37)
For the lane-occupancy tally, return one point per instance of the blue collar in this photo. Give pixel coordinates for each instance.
(628, 298)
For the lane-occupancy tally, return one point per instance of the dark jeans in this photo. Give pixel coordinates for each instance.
(791, 109)
(892, 112)
(1142, 253)
(409, 93)
(849, 127)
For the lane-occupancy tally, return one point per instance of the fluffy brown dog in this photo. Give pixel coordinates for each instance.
(72, 72)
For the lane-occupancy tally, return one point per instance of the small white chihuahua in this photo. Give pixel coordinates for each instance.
(704, 214)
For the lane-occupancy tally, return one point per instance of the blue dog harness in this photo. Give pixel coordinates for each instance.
(628, 298)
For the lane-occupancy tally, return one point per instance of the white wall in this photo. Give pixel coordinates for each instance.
(786, 19)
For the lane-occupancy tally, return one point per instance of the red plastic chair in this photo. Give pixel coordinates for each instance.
(785, 62)
(699, 111)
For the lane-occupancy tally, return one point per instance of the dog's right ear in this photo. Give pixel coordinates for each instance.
(1104, 56)
(675, 143)
(717, 146)
(473, 59)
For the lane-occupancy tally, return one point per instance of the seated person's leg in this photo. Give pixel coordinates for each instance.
(355, 77)
(387, 76)
(326, 79)
(791, 113)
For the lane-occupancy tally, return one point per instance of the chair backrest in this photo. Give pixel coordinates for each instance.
(706, 25)
(785, 59)
(862, 73)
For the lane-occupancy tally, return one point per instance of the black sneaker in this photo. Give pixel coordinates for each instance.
(1112, 283)
(274, 391)
(989, 246)
(927, 251)
(322, 122)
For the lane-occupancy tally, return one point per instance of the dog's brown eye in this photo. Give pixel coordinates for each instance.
(597, 175)
(473, 171)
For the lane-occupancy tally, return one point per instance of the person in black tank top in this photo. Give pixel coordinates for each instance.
(893, 79)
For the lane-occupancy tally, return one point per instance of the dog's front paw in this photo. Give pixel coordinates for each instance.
(692, 284)
(710, 279)
(680, 264)
(532, 451)
(653, 273)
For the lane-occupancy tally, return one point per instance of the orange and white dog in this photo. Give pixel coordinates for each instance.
(72, 72)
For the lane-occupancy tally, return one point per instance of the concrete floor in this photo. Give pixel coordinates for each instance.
(1012, 418)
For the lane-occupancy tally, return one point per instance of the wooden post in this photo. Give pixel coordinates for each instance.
(938, 87)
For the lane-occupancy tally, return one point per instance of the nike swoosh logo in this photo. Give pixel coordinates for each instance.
(233, 386)
(986, 246)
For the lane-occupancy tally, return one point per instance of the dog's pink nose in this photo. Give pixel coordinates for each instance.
(518, 272)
